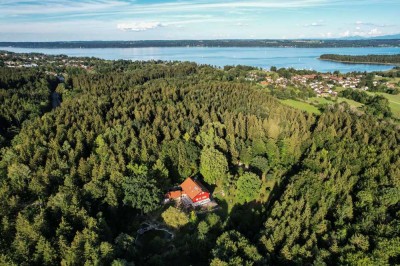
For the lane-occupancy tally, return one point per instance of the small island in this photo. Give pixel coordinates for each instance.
(363, 59)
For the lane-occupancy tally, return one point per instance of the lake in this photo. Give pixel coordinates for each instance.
(298, 58)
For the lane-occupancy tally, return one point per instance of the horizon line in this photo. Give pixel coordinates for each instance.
(354, 38)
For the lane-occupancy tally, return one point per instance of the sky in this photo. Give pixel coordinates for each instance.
(82, 20)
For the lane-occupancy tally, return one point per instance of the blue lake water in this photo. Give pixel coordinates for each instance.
(299, 58)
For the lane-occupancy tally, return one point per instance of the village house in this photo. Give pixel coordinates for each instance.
(191, 192)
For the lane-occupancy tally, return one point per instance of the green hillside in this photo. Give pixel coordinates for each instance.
(81, 183)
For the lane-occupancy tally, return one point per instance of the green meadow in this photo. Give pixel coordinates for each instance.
(301, 105)
(394, 102)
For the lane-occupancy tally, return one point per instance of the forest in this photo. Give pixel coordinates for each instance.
(306, 43)
(77, 182)
(366, 59)
(24, 94)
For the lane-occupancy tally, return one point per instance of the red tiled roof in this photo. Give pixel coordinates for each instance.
(174, 194)
(192, 188)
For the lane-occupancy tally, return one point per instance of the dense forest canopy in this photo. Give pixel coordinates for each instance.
(24, 94)
(367, 59)
(208, 43)
(78, 182)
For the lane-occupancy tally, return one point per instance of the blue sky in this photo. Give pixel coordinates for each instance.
(61, 20)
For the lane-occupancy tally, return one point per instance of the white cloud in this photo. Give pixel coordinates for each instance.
(139, 26)
(204, 5)
(374, 32)
(148, 25)
(314, 24)
(50, 7)
(86, 7)
(368, 33)
(345, 34)
(51, 27)
(327, 35)
(112, 19)
(360, 23)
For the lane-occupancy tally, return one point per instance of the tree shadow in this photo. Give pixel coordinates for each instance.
(247, 219)
(222, 208)
(211, 188)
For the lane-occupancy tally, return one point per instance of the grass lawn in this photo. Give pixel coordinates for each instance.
(390, 80)
(319, 100)
(266, 189)
(301, 106)
(339, 89)
(226, 200)
(394, 102)
(350, 102)
(322, 100)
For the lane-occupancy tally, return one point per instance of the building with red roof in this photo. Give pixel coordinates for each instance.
(174, 194)
(193, 190)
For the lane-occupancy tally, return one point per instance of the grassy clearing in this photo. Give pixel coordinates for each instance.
(226, 199)
(339, 89)
(301, 106)
(265, 191)
(390, 80)
(322, 100)
(319, 100)
(394, 102)
(350, 102)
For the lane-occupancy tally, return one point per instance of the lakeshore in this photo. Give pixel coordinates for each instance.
(297, 58)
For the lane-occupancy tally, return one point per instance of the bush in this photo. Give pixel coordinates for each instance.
(174, 217)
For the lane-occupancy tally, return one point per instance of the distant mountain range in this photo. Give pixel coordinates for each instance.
(383, 37)
(392, 37)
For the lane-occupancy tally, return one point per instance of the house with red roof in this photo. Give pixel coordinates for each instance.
(192, 192)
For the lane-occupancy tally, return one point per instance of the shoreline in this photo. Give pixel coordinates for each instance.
(359, 62)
